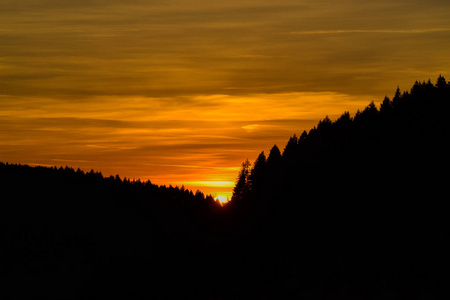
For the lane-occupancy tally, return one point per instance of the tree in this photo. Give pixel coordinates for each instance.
(257, 171)
(397, 95)
(368, 114)
(371, 109)
(274, 156)
(241, 188)
(386, 105)
(291, 146)
(344, 120)
(303, 136)
(441, 83)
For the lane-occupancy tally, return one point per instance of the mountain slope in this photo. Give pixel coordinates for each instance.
(363, 198)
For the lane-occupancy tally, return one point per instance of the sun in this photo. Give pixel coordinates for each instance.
(222, 199)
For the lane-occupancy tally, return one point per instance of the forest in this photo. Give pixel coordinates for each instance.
(353, 209)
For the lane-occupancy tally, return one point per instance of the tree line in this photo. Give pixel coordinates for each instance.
(175, 195)
(359, 201)
(404, 130)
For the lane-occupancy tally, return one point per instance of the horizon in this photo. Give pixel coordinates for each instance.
(182, 92)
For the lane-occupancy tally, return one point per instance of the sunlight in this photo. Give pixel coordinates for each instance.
(222, 199)
(210, 183)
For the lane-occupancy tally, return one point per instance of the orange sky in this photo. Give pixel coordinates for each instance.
(181, 92)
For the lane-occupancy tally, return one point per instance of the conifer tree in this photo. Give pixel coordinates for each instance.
(397, 94)
(290, 146)
(256, 173)
(386, 105)
(241, 188)
(274, 156)
(441, 83)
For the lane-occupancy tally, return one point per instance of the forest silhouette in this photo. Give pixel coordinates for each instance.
(353, 209)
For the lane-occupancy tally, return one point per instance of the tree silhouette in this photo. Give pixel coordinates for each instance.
(256, 173)
(274, 156)
(386, 105)
(441, 82)
(291, 146)
(243, 184)
(324, 124)
(303, 136)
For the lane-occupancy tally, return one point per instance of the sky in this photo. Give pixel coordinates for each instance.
(181, 92)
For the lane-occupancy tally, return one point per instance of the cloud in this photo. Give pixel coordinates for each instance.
(350, 31)
(142, 130)
(118, 86)
(77, 49)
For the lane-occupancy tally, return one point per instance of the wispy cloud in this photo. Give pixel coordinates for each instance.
(69, 160)
(197, 167)
(184, 90)
(136, 137)
(349, 31)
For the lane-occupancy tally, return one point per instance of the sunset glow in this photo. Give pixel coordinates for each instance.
(222, 199)
(181, 92)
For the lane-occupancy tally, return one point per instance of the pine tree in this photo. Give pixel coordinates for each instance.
(441, 83)
(256, 173)
(274, 156)
(291, 146)
(397, 95)
(386, 105)
(243, 184)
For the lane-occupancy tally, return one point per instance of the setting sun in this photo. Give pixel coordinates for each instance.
(222, 199)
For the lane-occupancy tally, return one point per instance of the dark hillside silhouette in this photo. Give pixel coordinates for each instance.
(361, 201)
(353, 209)
(70, 234)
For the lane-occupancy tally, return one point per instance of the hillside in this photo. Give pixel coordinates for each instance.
(355, 208)
(69, 234)
(362, 197)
